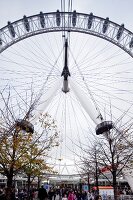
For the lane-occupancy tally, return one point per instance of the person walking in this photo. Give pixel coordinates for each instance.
(71, 196)
(51, 194)
(42, 193)
(64, 197)
(98, 197)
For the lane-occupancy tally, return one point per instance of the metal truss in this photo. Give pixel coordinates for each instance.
(67, 22)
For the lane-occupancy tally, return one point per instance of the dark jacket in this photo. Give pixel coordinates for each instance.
(42, 193)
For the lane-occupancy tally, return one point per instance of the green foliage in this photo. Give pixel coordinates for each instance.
(22, 151)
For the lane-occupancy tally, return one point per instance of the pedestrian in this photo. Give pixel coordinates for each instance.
(50, 194)
(54, 193)
(2, 194)
(90, 196)
(71, 196)
(64, 197)
(79, 195)
(98, 197)
(42, 193)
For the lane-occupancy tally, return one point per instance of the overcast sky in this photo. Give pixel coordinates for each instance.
(119, 11)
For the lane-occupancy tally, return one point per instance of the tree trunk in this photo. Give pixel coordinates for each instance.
(10, 192)
(97, 185)
(96, 177)
(28, 186)
(114, 184)
(38, 183)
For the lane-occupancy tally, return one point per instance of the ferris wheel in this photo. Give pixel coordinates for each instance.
(78, 66)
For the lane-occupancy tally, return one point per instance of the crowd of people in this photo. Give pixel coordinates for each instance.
(56, 194)
(66, 194)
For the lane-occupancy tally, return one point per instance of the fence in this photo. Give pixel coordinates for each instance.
(121, 197)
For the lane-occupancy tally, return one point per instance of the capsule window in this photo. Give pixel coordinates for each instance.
(104, 127)
(11, 29)
(120, 32)
(74, 17)
(131, 43)
(0, 41)
(58, 18)
(42, 20)
(90, 20)
(105, 25)
(26, 23)
(24, 125)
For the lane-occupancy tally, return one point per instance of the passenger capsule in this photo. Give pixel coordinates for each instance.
(74, 17)
(58, 18)
(0, 41)
(104, 127)
(105, 25)
(42, 20)
(11, 29)
(90, 19)
(24, 125)
(131, 43)
(120, 31)
(26, 23)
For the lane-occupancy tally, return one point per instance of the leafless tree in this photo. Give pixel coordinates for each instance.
(114, 153)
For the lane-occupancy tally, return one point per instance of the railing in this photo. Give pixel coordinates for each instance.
(120, 197)
(126, 197)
